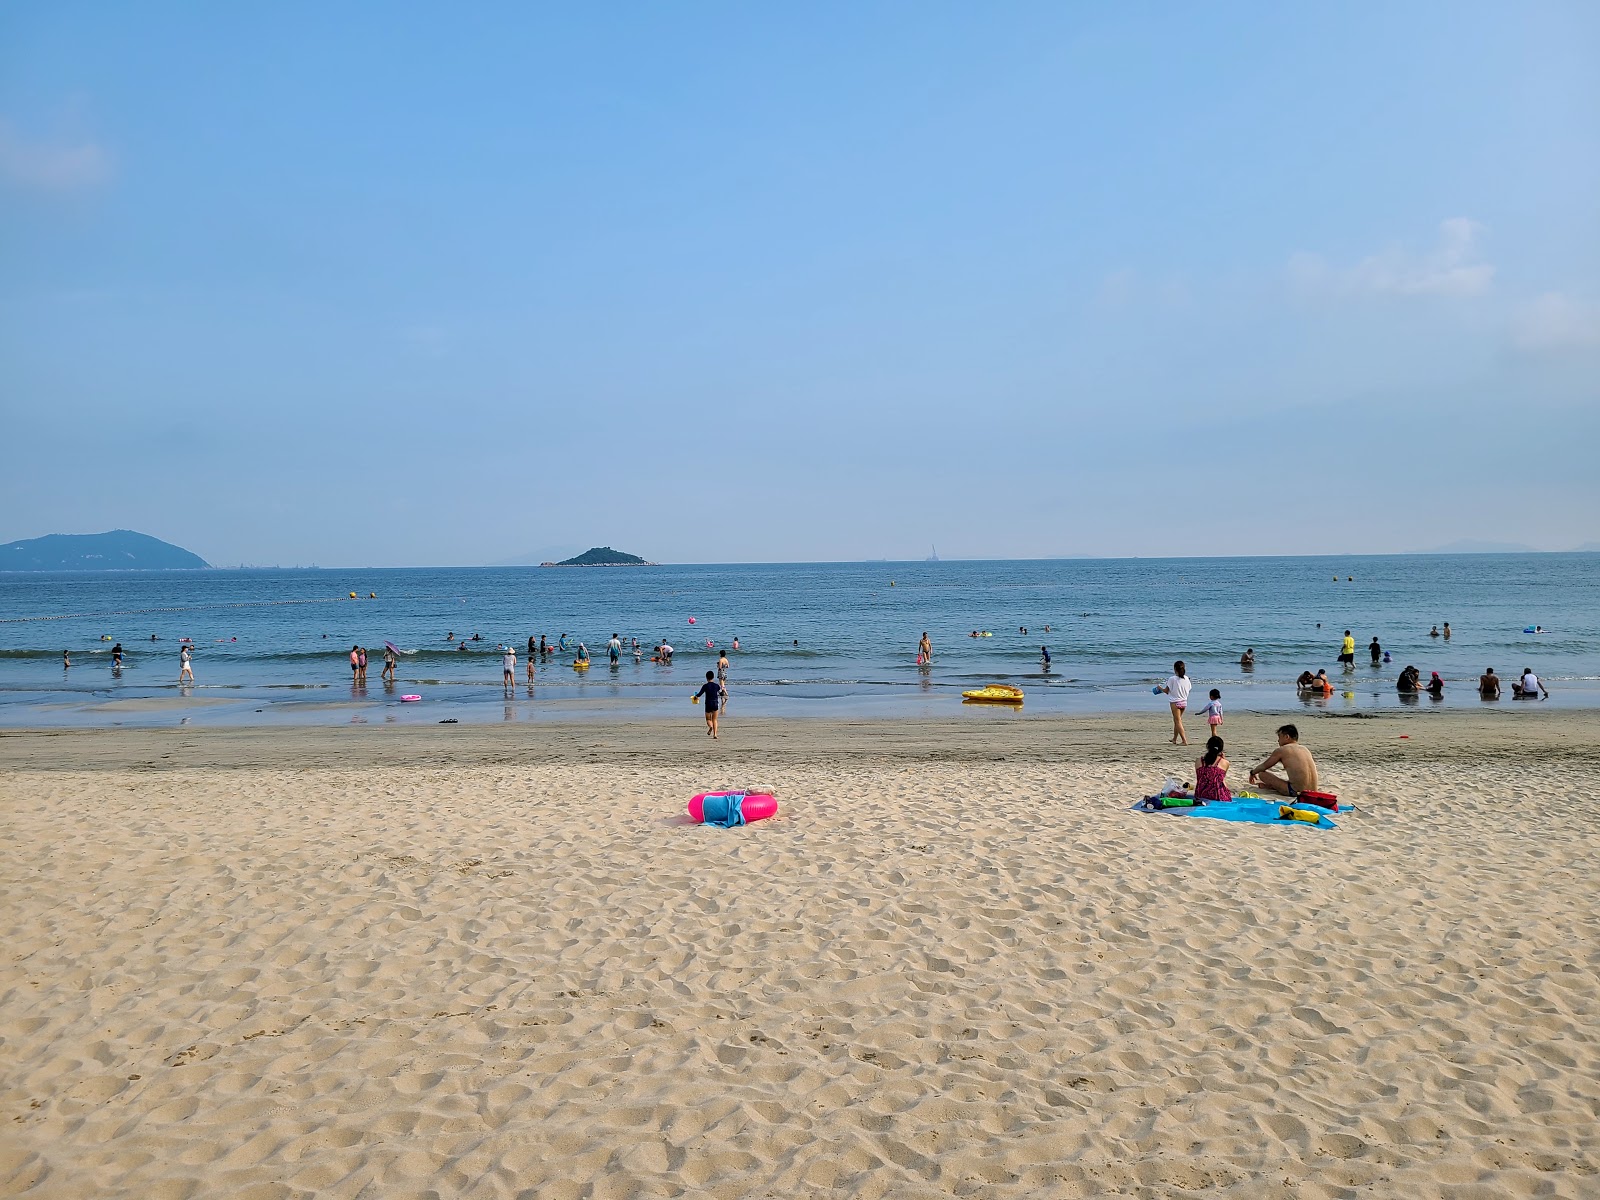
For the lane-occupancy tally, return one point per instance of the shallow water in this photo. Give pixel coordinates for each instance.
(821, 639)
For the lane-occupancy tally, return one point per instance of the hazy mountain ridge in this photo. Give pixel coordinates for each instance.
(115, 550)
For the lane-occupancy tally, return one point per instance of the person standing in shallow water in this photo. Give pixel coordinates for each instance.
(1177, 690)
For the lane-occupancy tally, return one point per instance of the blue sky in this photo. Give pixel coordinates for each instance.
(393, 285)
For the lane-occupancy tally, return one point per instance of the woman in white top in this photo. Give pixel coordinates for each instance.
(1530, 687)
(1177, 690)
(186, 671)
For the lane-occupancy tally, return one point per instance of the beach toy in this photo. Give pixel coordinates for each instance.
(1285, 813)
(691, 620)
(732, 808)
(409, 699)
(995, 693)
(581, 665)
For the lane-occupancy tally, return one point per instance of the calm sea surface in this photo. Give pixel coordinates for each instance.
(817, 639)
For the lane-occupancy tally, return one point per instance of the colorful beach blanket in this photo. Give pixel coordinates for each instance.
(1249, 810)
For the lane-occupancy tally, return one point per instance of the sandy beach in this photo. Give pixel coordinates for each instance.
(494, 962)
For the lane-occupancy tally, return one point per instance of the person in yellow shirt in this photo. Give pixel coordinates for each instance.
(1347, 651)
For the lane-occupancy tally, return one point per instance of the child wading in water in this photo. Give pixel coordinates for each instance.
(712, 691)
(1210, 772)
(1213, 710)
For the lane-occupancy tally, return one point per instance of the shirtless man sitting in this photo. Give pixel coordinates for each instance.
(1297, 764)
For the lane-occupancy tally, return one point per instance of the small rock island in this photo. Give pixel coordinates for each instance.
(601, 556)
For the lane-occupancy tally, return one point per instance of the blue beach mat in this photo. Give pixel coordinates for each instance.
(1252, 812)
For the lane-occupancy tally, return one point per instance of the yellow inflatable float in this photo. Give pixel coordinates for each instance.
(995, 693)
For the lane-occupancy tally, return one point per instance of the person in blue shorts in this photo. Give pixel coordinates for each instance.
(712, 691)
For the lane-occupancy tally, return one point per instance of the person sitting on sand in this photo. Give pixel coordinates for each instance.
(1529, 687)
(1299, 768)
(1489, 685)
(1210, 772)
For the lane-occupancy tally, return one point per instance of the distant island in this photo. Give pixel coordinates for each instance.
(118, 550)
(601, 556)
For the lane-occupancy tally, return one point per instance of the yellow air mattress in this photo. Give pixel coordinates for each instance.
(995, 693)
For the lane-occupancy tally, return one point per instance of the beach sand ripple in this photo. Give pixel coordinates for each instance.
(921, 979)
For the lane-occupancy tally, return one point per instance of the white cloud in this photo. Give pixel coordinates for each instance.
(1454, 267)
(1555, 321)
(46, 167)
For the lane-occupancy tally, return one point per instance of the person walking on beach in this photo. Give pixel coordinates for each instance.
(1213, 710)
(924, 650)
(712, 691)
(1177, 690)
(1299, 768)
(1347, 651)
(1489, 685)
(389, 661)
(185, 669)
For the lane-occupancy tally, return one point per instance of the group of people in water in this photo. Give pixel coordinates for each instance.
(1409, 682)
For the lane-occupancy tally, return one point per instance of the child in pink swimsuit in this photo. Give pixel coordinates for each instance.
(1213, 710)
(1210, 773)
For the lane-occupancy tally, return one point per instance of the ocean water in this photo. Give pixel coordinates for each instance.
(828, 639)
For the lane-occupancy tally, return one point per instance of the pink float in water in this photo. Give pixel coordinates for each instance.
(409, 699)
(757, 806)
(691, 620)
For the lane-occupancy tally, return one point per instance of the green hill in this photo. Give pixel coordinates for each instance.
(602, 556)
(118, 550)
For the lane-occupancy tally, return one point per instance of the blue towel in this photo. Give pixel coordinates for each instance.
(723, 809)
(1260, 812)
(1256, 812)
